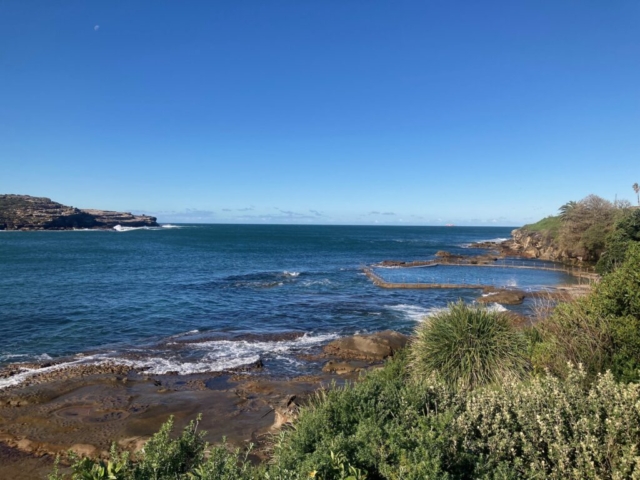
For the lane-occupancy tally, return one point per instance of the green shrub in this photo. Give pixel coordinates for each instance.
(389, 426)
(575, 334)
(468, 346)
(618, 294)
(601, 331)
(164, 458)
(626, 230)
(367, 423)
(552, 428)
(550, 225)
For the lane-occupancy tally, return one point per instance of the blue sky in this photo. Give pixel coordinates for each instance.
(425, 112)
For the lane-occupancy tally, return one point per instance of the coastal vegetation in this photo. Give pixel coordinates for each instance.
(591, 230)
(472, 395)
(487, 348)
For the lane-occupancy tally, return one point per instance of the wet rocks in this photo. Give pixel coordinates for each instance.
(83, 450)
(443, 254)
(504, 297)
(341, 368)
(375, 346)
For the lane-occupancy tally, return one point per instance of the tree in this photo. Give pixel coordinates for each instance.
(565, 209)
(636, 188)
(585, 225)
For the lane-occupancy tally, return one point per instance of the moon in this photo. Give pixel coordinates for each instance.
(96, 28)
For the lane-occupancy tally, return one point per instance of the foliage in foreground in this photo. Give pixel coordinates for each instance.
(469, 346)
(390, 426)
(601, 331)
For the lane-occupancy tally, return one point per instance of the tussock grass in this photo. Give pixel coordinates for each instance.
(468, 346)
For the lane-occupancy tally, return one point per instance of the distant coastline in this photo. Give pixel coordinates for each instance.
(27, 213)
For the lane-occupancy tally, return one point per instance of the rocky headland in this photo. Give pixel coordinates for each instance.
(527, 243)
(24, 212)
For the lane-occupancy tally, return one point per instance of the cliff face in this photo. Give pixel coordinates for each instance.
(23, 212)
(540, 245)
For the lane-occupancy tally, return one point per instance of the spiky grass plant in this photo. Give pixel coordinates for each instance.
(468, 346)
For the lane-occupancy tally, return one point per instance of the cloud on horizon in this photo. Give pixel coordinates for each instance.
(375, 212)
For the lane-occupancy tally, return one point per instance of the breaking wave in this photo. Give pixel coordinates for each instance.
(415, 312)
(212, 356)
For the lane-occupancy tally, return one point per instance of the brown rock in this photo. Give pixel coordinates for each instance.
(84, 450)
(24, 212)
(506, 297)
(340, 368)
(24, 445)
(375, 346)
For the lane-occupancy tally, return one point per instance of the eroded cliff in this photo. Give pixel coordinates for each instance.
(24, 212)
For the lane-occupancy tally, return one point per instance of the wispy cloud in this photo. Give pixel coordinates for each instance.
(375, 212)
(189, 215)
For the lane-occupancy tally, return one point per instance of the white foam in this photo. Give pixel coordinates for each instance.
(10, 356)
(220, 355)
(415, 312)
(120, 228)
(494, 240)
(310, 283)
(291, 274)
(496, 307)
(25, 373)
(168, 225)
(223, 355)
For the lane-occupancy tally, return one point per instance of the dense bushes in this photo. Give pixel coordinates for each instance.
(625, 232)
(548, 428)
(585, 226)
(186, 457)
(390, 426)
(601, 331)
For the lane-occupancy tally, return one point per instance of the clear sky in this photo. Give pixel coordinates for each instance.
(321, 111)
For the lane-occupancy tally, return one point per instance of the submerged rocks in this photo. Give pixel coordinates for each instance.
(375, 346)
(24, 212)
(504, 297)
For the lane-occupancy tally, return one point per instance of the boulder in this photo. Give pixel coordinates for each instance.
(84, 450)
(375, 346)
(341, 368)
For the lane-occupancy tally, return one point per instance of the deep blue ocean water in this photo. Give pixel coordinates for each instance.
(209, 297)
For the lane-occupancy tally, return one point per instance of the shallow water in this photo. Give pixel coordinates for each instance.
(181, 299)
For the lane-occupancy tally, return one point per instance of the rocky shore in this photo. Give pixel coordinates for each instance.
(23, 212)
(83, 408)
(525, 243)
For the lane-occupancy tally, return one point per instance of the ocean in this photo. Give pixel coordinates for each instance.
(199, 298)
